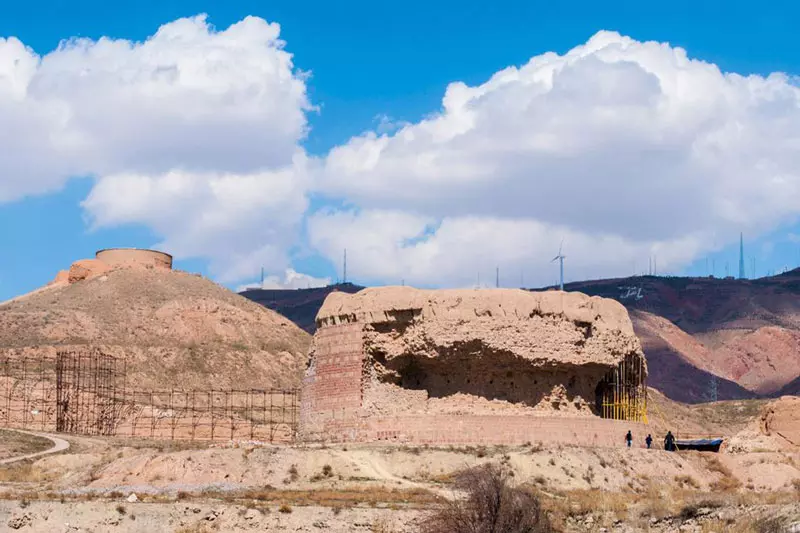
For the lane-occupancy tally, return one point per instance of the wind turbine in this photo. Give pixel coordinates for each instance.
(560, 259)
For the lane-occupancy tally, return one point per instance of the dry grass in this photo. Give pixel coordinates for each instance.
(327, 473)
(768, 524)
(335, 499)
(13, 443)
(561, 505)
(727, 481)
(726, 484)
(158, 445)
(194, 528)
(636, 508)
(413, 498)
(686, 480)
(381, 526)
(23, 472)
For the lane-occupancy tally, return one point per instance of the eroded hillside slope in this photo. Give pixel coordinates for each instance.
(174, 329)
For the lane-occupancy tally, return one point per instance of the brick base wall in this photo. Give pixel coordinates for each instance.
(332, 385)
(487, 430)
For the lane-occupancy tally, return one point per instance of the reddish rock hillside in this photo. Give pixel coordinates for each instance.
(744, 331)
(680, 366)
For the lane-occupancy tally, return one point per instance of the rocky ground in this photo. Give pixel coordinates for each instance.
(130, 486)
(196, 517)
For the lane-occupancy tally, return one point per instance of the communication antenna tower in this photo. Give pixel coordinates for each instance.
(497, 278)
(344, 268)
(741, 256)
(262, 277)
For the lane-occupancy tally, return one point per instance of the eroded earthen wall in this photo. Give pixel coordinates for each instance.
(445, 369)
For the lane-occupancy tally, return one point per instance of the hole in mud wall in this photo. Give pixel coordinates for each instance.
(493, 376)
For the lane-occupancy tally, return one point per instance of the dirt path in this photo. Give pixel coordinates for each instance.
(369, 465)
(59, 445)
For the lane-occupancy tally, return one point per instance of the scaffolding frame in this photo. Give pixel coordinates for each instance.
(623, 391)
(85, 392)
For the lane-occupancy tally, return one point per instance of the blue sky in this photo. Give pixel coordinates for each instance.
(371, 59)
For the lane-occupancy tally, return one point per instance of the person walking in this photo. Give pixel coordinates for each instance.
(669, 442)
(648, 441)
(629, 438)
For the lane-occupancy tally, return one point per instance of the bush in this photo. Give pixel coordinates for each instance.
(771, 525)
(491, 506)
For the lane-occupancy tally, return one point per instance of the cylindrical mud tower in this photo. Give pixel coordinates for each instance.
(135, 257)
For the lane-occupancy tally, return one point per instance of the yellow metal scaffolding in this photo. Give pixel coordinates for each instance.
(623, 391)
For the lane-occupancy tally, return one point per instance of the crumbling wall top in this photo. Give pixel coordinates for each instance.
(550, 328)
(389, 304)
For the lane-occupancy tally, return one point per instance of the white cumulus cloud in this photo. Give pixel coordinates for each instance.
(624, 149)
(193, 132)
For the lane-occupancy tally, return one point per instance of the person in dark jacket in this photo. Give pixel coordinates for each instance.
(629, 438)
(669, 442)
(648, 441)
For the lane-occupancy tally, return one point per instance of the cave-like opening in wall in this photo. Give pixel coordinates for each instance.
(485, 377)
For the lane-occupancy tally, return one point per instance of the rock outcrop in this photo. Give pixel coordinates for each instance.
(85, 269)
(399, 351)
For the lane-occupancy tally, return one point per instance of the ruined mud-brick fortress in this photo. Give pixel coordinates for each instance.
(503, 366)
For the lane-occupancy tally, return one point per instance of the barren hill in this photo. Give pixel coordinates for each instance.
(680, 365)
(298, 305)
(744, 331)
(174, 330)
